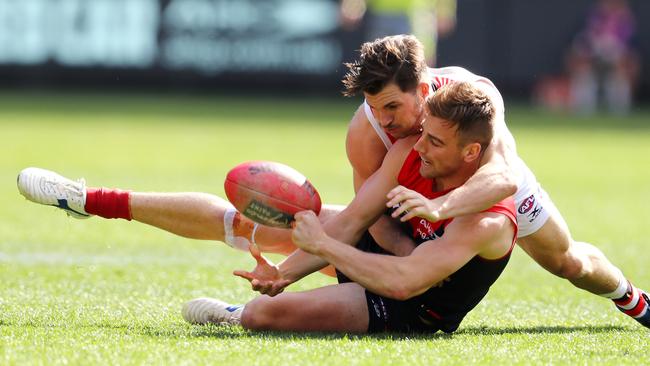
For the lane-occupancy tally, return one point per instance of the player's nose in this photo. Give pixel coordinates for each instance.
(385, 120)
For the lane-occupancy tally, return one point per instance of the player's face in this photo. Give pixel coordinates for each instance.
(438, 148)
(399, 113)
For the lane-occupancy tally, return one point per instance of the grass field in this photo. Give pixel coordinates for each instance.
(109, 292)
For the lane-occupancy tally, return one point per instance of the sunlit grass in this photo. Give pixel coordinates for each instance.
(110, 292)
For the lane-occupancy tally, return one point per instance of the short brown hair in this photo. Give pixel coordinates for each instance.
(398, 59)
(468, 108)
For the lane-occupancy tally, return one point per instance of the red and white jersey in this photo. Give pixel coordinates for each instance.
(423, 230)
(527, 185)
(450, 300)
(438, 78)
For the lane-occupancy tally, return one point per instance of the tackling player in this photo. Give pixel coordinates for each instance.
(394, 79)
(393, 101)
(446, 275)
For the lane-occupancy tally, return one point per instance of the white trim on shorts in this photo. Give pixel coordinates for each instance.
(533, 207)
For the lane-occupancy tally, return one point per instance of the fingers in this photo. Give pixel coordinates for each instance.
(406, 207)
(260, 286)
(244, 274)
(256, 253)
(270, 288)
(304, 215)
(393, 192)
(398, 195)
(409, 215)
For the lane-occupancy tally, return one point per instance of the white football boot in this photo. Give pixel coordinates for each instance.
(48, 188)
(205, 310)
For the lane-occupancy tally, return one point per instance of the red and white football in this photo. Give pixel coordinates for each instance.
(270, 193)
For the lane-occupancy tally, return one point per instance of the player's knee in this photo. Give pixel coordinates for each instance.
(568, 266)
(258, 314)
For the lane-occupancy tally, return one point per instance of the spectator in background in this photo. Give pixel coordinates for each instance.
(602, 63)
(428, 20)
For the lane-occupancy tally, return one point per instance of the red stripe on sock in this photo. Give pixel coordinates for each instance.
(638, 308)
(108, 203)
(628, 297)
(625, 301)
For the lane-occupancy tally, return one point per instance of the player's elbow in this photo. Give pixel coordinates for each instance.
(404, 293)
(508, 183)
(402, 290)
(400, 294)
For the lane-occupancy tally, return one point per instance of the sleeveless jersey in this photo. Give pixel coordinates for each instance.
(449, 301)
(440, 77)
(527, 185)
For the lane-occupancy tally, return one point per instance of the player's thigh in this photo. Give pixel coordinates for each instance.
(550, 246)
(340, 308)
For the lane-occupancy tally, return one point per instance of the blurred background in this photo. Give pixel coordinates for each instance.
(578, 56)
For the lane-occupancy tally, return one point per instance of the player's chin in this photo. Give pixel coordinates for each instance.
(426, 170)
(397, 133)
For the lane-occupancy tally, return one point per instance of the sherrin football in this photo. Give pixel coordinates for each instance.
(270, 193)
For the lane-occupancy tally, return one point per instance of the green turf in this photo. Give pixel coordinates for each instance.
(109, 292)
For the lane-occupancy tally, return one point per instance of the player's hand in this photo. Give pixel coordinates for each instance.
(411, 204)
(265, 278)
(308, 232)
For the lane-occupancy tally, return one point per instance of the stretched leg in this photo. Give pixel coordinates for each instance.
(192, 215)
(584, 266)
(201, 216)
(335, 308)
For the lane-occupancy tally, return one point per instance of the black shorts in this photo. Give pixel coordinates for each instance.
(389, 315)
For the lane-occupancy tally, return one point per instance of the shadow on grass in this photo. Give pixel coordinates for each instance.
(216, 331)
(544, 330)
(182, 330)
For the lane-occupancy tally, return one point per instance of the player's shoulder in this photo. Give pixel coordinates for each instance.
(401, 149)
(364, 148)
(486, 231)
(359, 125)
(405, 143)
(448, 70)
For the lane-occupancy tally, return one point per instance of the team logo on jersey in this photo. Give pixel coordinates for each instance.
(527, 205)
(428, 231)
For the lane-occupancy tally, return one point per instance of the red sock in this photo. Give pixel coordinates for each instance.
(108, 203)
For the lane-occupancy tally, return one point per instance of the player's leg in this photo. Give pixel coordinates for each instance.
(192, 215)
(584, 265)
(206, 217)
(335, 308)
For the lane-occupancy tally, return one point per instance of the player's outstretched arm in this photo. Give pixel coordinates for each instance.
(487, 234)
(349, 225)
(366, 152)
(494, 181)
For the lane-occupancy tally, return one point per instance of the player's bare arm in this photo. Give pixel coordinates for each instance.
(366, 152)
(365, 208)
(486, 234)
(364, 148)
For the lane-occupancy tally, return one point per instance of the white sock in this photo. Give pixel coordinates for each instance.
(237, 242)
(621, 289)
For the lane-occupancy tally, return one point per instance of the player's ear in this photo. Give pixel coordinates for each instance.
(424, 89)
(472, 152)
